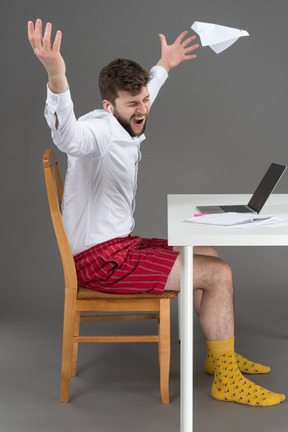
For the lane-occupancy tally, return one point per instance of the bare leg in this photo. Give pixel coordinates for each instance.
(213, 277)
(245, 365)
(198, 293)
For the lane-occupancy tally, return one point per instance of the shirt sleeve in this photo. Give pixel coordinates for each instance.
(158, 77)
(74, 137)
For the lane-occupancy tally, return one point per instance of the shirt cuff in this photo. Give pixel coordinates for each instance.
(161, 73)
(56, 101)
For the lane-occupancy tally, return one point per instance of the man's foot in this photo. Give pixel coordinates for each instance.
(231, 386)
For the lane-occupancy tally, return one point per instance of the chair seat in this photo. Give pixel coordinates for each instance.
(91, 294)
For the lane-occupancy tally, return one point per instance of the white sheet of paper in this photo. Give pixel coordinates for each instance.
(218, 37)
(227, 219)
(274, 222)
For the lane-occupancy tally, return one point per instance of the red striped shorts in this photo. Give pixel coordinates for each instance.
(126, 265)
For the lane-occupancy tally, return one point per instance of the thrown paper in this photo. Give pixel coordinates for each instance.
(218, 37)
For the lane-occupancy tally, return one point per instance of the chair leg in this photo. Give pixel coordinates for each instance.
(164, 348)
(75, 345)
(67, 348)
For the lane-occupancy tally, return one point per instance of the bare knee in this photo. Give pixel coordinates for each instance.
(225, 270)
(212, 272)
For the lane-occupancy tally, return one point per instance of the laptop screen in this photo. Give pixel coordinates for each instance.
(266, 186)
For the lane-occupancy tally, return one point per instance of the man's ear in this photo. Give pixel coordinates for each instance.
(108, 107)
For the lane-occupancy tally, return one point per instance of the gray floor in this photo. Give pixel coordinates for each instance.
(117, 387)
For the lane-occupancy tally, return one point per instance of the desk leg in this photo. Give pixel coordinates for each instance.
(186, 346)
(179, 316)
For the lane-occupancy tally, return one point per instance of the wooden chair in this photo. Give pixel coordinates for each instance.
(79, 299)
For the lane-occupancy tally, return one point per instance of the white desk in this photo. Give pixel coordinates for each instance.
(186, 236)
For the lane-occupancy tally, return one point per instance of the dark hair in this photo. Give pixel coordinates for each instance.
(121, 74)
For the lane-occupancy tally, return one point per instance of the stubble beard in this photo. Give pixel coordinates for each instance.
(127, 125)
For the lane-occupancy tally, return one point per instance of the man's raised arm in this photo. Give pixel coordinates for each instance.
(49, 55)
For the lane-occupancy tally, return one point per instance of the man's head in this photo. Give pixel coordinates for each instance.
(123, 88)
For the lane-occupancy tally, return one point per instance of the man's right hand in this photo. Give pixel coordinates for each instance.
(49, 55)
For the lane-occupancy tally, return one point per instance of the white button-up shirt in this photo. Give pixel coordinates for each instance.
(101, 178)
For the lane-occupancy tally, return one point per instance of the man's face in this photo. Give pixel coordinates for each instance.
(132, 110)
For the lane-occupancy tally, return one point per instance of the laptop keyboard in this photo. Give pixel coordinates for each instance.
(236, 208)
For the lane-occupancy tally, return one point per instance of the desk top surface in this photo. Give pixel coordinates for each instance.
(181, 207)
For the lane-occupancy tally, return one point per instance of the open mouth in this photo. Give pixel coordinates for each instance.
(138, 120)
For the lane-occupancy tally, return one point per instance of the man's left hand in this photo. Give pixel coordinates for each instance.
(173, 55)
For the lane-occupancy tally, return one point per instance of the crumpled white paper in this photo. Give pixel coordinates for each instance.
(218, 37)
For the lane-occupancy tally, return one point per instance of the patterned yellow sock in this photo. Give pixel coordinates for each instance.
(244, 365)
(229, 383)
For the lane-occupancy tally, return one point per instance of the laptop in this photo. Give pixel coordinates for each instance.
(260, 196)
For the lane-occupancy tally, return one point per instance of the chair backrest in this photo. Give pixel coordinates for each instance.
(54, 189)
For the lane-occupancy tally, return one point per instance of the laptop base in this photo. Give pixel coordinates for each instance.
(224, 209)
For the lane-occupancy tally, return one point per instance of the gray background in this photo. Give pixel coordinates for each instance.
(217, 124)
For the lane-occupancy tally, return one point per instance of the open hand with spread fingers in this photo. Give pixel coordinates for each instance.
(172, 55)
(49, 54)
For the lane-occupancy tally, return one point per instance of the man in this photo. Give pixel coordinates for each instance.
(103, 149)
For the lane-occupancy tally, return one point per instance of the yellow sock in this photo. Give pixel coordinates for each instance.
(229, 383)
(244, 365)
